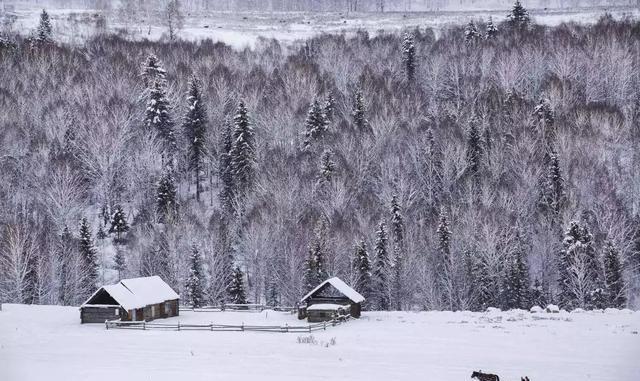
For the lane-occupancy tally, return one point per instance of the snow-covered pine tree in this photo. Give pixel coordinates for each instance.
(89, 261)
(515, 290)
(195, 130)
(119, 224)
(120, 262)
(474, 149)
(327, 167)
(243, 152)
(315, 269)
(328, 110)
(166, 203)
(409, 56)
(158, 119)
(101, 234)
(546, 119)
(553, 196)
(491, 29)
(471, 33)
(381, 272)
(362, 268)
(614, 281)
(397, 234)
(538, 294)
(44, 32)
(314, 125)
(518, 17)
(579, 275)
(225, 173)
(444, 263)
(236, 287)
(195, 279)
(359, 111)
(64, 273)
(152, 72)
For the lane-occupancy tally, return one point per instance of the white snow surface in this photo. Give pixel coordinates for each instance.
(139, 292)
(49, 343)
(342, 287)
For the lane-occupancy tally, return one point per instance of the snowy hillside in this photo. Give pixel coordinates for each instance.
(47, 342)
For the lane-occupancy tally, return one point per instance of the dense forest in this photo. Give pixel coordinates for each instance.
(497, 165)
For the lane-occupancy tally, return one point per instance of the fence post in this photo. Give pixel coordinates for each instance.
(144, 325)
(178, 326)
(286, 327)
(325, 325)
(211, 326)
(242, 327)
(106, 324)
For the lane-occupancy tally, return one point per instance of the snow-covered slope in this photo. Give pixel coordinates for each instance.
(47, 342)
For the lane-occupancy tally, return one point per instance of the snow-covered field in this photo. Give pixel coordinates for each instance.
(245, 29)
(48, 342)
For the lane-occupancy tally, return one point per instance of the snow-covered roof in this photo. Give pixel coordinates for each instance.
(339, 285)
(325, 307)
(138, 292)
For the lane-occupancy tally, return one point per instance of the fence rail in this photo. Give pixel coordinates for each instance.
(143, 325)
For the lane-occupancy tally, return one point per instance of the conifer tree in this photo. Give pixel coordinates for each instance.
(328, 110)
(359, 111)
(362, 268)
(315, 270)
(518, 17)
(158, 119)
(327, 167)
(382, 267)
(166, 204)
(101, 234)
(195, 280)
(474, 149)
(315, 124)
(444, 267)
(579, 279)
(471, 33)
(243, 152)
(153, 72)
(397, 234)
(88, 256)
(553, 195)
(491, 29)
(121, 262)
(614, 282)
(236, 287)
(546, 118)
(225, 168)
(65, 254)
(409, 56)
(44, 33)
(119, 223)
(195, 129)
(516, 284)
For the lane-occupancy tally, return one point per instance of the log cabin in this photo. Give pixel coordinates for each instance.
(136, 299)
(330, 299)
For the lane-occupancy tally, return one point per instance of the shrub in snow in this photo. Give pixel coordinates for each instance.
(493, 309)
(578, 311)
(307, 340)
(552, 308)
(536, 309)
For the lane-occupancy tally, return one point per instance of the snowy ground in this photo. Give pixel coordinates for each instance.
(47, 342)
(245, 29)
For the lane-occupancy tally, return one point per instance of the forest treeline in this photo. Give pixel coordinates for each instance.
(497, 165)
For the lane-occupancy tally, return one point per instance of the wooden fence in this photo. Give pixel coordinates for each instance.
(143, 325)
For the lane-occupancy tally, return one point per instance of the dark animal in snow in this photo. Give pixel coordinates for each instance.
(485, 376)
